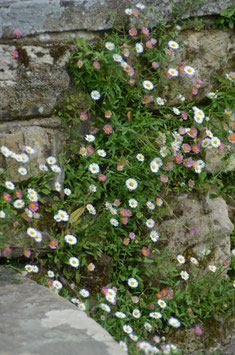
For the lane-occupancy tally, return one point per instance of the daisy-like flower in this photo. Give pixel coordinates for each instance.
(176, 111)
(123, 345)
(140, 157)
(184, 275)
(215, 142)
(24, 158)
(102, 153)
(73, 261)
(35, 268)
(189, 70)
(82, 306)
(43, 167)
(159, 202)
(57, 186)
(94, 168)
(136, 313)
(161, 303)
(212, 95)
(131, 184)
(181, 259)
(9, 185)
(173, 72)
(135, 299)
(140, 6)
(89, 138)
(50, 273)
(32, 232)
(95, 95)
(160, 101)
(194, 261)
(150, 223)
(174, 322)
(155, 315)
(114, 222)
(120, 315)
(84, 293)
(163, 151)
(83, 151)
(105, 307)
(132, 282)
(109, 45)
(154, 236)
(139, 48)
(28, 268)
(80, 63)
(154, 166)
(63, 215)
(150, 205)
(67, 192)
(2, 214)
(133, 203)
(173, 45)
(163, 178)
(5, 151)
(127, 328)
(133, 337)
(212, 268)
(51, 160)
(38, 237)
(91, 209)
(29, 149)
(91, 267)
(108, 129)
(128, 12)
(55, 169)
(148, 85)
(70, 239)
(92, 188)
(19, 203)
(57, 284)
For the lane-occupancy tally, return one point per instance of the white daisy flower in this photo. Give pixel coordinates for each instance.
(160, 101)
(181, 259)
(176, 111)
(184, 275)
(120, 315)
(114, 222)
(29, 149)
(194, 261)
(215, 142)
(139, 48)
(83, 151)
(89, 138)
(82, 306)
(131, 184)
(154, 166)
(63, 215)
(102, 153)
(38, 237)
(150, 223)
(92, 188)
(163, 151)
(57, 284)
(174, 322)
(5, 151)
(155, 315)
(57, 186)
(212, 95)
(173, 72)
(67, 191)
(189, 70)
(148, 85)
(95, 95)
(35, 268)
(123, 345)
(140, 6)
(43, 167)
(105, 307)
(55, 168)
(133, 337)
(132, 282)
(161, 303)
(29, 268)
(2, 214)
(173, 45)
(70, 239)
(51, 160)
(10, 185)
(140, 157)
(154, 236)
(136, 313)
(19, 203)
(31, 232)
(117, 58)
(127, 329)
(212, 268)
(94, 168)
(50, 273)
(133, 203)
(73, 261)
(128, 12)
(24, 158)
(84, 293)
(109, 45)
(150, 205)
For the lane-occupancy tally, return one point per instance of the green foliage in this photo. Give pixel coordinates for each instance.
(226, 19)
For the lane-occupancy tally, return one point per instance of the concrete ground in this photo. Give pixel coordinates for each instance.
(35, 321)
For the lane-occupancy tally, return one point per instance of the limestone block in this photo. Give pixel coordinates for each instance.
(213, 227)
(214, 162)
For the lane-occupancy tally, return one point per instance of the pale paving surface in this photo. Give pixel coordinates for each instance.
(35, 321)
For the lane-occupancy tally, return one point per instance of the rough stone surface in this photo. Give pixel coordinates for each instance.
(209, 52)
(45, 140)
(35, 321)
(213, 227)
(32, 84)
(46, 16)
(214, 162)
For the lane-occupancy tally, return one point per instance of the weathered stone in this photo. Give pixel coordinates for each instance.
(209, 217)
(214, 162)
(34, 83)
(46, 141)
(36, 321)
(208, 52)
(33, 17)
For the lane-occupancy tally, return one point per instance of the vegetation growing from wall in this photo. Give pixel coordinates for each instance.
(105, 252)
